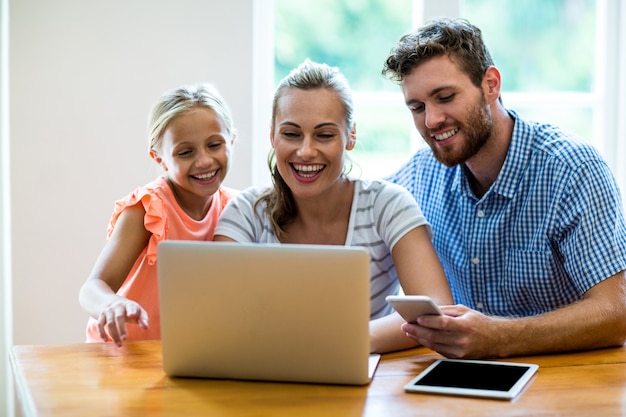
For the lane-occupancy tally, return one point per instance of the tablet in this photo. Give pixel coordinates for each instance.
(489, 379)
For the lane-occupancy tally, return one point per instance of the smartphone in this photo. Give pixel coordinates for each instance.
(410, 307)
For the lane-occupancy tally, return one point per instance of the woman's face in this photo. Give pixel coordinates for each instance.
(309, 136)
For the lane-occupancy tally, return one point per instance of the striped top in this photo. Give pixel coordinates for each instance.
(381, 214)
(550, 227)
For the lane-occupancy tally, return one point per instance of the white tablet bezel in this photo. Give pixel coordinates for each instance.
(513, 392)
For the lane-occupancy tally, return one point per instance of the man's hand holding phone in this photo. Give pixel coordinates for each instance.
(410, 307)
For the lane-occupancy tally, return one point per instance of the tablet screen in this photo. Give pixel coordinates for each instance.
(474, 378)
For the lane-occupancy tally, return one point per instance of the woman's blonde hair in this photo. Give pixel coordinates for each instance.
(280, 204)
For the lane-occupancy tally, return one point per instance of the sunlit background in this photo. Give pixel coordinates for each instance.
(548, 52)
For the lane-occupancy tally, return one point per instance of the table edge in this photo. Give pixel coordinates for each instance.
(25, 399)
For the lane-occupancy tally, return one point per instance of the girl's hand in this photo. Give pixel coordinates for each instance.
(112, 321)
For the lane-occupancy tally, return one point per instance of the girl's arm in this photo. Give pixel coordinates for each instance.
(420, 272)
(98, 294)
(221, 238)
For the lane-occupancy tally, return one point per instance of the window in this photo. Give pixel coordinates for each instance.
(354, 36)
(557, 58)
(546, 52)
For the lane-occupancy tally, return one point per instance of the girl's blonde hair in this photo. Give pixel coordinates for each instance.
(183, 99)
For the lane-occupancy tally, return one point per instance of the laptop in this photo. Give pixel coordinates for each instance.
(266, 312)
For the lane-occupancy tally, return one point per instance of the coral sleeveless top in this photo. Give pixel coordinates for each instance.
(166, 220)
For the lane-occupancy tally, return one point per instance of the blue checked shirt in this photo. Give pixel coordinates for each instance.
(549, 228)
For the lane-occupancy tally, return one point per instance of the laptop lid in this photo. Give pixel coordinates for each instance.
(293, 313)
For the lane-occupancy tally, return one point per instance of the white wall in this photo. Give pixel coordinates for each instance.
(6, 394)
(81, 78)
(83, 75)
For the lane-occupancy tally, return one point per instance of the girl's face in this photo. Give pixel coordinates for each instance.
(309, 136)
(195, 154)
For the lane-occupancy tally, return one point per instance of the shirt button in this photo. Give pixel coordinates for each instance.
(475, 261)
(480, 213)
(479, 305)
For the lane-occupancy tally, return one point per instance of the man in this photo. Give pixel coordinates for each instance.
(527, 219)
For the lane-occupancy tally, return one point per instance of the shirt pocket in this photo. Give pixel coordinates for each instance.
(534, 283)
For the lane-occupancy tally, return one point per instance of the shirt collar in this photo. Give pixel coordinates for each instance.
(520, 150)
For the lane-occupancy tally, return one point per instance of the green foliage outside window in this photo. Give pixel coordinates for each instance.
(538, 45)
(354, 35)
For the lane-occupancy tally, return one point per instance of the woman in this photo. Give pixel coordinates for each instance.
(313, 201)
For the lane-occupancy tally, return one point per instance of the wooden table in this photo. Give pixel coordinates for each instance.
(86, 380)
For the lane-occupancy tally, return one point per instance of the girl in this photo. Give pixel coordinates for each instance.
(313, 201)
(191, 136)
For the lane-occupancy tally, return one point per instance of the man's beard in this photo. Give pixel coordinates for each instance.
(477, 130)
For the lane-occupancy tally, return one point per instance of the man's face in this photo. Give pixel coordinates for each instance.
(448, 110)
